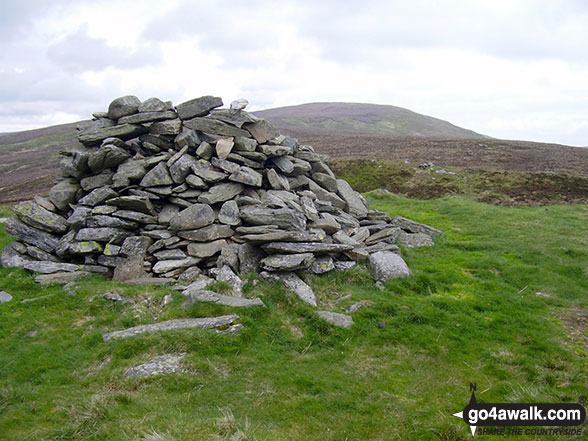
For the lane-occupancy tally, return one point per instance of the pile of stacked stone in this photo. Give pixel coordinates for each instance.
(178, 193)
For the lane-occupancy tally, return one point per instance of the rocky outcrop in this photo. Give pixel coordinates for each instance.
(179, 192)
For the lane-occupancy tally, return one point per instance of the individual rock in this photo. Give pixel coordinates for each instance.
(63, 194)
(385, 266)
(204, 151)
(293, 283)
(116, 298)
(109, 221)
(193, 217)
(47, 267)
(196, 182)
(128, 172)
(100, 180)
(287, 262)
(344, 265)
(19, 230)
(122, 131)
(61, 277)
(103, 234)
(238, 105)
(220, 193)
(167, 213)
(249, 258)
(135, 246)
(261, 130)
(167, 127)
(414, 240)
(38, 217)
(176, 253)
(212, 297)
(162, 365)
(326, 181)
(198, 106)
(207, 234)
(135, 216)
(203, 323)
(206, 249)
(325, 195)
(246, 144)
(322, 264)
(159, 175)
(86, 247)
(284, 164)
(205, 171)
(223, 164)
(12, 258)
(248, 176)
(415, 227)
(145, 117)
(305, 247)
(133, 203)
(131, 268)
(5, 297)
(387, 234)
(214, 126)
(229, 214)
(343, 237)
(277, 181)
(122, 106)
(98, 196)
(327, 223)
(353, 201)
(224, 147)
(336, 319)
(226, 274)
(354, 308)
(155, 105)
(282, 217)
(273, 150)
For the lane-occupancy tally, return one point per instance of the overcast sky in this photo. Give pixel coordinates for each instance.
(514, 69)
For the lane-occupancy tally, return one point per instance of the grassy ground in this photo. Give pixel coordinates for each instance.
(469, 313)
(499, 187)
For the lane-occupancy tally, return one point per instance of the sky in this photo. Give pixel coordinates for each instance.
(512, 69)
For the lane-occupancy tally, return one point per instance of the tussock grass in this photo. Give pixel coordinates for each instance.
(468, 314)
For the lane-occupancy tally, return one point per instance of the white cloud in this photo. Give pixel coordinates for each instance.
(512, 69)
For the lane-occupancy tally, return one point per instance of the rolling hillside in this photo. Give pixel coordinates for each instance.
(29, 160)
(365, 119)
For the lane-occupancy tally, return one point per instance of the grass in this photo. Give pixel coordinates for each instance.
(469, 313)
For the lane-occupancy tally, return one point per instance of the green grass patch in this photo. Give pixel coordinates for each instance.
(469, 313)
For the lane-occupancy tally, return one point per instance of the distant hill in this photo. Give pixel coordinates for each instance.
(363, 119)
(29, 160)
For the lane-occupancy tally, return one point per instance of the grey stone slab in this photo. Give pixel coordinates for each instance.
(169, 325)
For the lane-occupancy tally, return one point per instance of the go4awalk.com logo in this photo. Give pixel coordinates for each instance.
(507, 418)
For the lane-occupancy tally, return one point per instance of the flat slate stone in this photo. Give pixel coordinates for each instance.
(283, 236)
(207, 234)
(354, 202)
(198, 106)
(157, 176)
(202, 323)
(12, 258)
(133, 203)
(214, 126)
(61, 278)
(45, 241)
(123, 131)
(282, 217)
(47, 267)
(220, 193)
(415, 227)
(261, 130)
(293, 283)
(287, 262)
(206, 249)
(201, 295)
(193, 217)
(336, 319)
(162, 365)
(144, 117)
(41, 218)
(306, 247)
(414, 240)
(122, 106)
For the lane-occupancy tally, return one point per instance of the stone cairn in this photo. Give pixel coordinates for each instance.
(161, 194)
